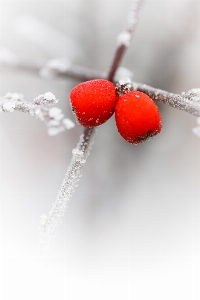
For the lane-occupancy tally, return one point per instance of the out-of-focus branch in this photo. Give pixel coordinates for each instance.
(55, 68)
(64, 68)
(52, 117)
(124, 38)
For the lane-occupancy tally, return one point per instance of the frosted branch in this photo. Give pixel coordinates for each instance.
(188, 102)
(52, 117)
(57, 67)
(49, 224)
(61, 67)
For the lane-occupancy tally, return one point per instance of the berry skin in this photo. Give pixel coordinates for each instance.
(137, 117)
(93, 101)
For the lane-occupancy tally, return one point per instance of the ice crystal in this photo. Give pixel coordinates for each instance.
(54, 67)
(54, 112)
(47, 98)
(196, 131)
(55, 130)
(193, 95)
(124, 38)
(124, 86)
(68, 123)
(9, 106)
(123, 73)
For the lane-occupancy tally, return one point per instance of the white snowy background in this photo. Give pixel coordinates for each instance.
(132, 228)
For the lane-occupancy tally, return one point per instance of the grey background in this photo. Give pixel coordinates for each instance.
(132, 228)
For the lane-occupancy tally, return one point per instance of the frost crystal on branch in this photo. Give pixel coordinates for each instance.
(124, 86)
(124, 38)
(55, 67)
(47, 98)
(62, 67)
(192, 95)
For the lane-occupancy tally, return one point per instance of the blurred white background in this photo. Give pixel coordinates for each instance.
(132, 229)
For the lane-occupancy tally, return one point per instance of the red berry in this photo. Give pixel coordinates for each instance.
(137, 117)
(93, 102)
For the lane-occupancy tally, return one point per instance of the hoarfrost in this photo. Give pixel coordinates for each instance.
(123, 73)
(54, 112)
(9, 106)
(55, 130)
(45, 99)
(124, 38)
(196, 131)
(68, 123)
(54, 67)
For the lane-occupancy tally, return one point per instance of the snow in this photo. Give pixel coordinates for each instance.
(49, 96)
(54, 112)
(68, 123)
(124, 38)
(9, 106)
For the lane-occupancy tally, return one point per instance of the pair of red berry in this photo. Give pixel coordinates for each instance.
(137, 117)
